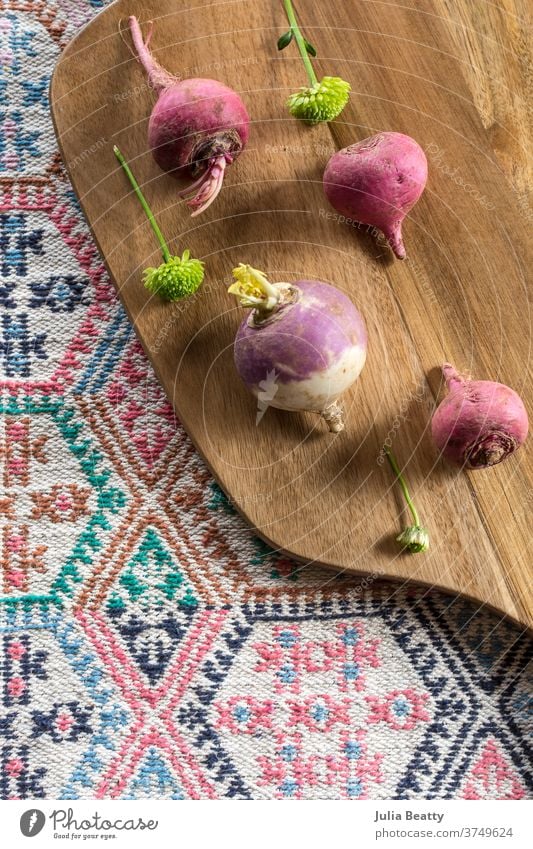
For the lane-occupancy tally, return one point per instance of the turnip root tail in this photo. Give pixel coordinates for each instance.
(158, 77)
(452, 376)
(207, 187)
(334, 418)
(395, 240)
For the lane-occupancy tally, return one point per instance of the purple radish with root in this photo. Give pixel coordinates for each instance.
(479, 423)
(302, 345)
(377, 181)
(197, 127)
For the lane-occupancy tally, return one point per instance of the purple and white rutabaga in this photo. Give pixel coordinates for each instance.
(305, 341)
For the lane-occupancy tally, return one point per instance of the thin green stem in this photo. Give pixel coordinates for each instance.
(144, 204)
(401, 480)
(300, 42)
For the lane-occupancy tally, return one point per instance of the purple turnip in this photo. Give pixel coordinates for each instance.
(196, 129)
(301, 347)
(479, 423)
(377, 181)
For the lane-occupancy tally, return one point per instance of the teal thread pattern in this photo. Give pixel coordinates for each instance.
(109, 498)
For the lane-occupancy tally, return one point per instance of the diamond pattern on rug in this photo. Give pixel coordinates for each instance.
(152, 607)
(53, 289)
(319, 728)
(147, 418)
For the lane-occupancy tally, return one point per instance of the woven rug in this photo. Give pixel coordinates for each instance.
(150, 645)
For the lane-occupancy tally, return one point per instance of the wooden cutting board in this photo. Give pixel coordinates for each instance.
(462, 295)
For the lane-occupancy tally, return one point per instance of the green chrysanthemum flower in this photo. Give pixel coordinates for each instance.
(176, 278)
(414, 539)
(322, 101)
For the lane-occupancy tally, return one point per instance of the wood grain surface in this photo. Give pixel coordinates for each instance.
(453, 75)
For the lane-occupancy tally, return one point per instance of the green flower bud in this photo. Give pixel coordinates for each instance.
(177, 278)
(321, 102)
(415, 539)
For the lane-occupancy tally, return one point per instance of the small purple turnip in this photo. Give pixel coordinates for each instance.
(197, 127)
(377, 181)
(479, 423)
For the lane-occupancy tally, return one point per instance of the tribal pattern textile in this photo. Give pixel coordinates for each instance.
(150, 646)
